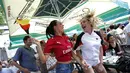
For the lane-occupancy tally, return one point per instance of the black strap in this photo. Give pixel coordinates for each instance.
(78, 41)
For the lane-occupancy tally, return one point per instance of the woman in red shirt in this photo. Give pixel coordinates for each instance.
(59, 44)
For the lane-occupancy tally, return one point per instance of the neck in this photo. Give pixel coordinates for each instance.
(27, 46)
(59, 34)
(113, 42)
(89, 31)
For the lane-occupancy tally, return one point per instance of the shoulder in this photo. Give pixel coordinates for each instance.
(97, 34)
(51, 40)
(80, 35)
(20, 48)
(66, 37)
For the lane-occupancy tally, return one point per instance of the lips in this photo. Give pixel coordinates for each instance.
(83, 27)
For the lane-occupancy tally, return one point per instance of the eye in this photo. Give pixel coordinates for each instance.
(84, 21)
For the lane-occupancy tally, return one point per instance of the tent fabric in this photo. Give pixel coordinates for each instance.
(114, 13)
(41, 12)
(57, 8)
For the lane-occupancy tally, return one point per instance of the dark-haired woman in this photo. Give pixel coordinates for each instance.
(113, 45)
(60, 45)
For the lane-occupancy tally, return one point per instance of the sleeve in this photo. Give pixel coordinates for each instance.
(17, 55)
(49, 46)
(78, 41)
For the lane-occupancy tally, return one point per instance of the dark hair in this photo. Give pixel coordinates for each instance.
(104, 29)
(108, 36)
(112, 27)
(26, 37)
(50, 29)
(42, 42)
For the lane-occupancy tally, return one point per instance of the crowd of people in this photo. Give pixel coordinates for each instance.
(58, 53)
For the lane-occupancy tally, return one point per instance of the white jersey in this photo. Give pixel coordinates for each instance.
(91, 44)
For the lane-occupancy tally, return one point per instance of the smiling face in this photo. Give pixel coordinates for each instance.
(111, 39)
(86, 25)
(28, 41)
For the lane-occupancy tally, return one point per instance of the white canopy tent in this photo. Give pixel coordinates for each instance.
(30, 12)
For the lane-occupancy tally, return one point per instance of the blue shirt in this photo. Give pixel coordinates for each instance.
(26, 58)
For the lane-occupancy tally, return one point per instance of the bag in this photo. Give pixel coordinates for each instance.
(123, 63)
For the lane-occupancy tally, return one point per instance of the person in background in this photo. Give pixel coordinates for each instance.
(104, 42)
(127, 32)
(51, 64)
(112, 30)
(113, 46)
(12, 67)
(120, 36)
(4, 70)
(26, 57)
(4, 63)
(74, 38)
(60, 45)
(90, 44)
(43, 67)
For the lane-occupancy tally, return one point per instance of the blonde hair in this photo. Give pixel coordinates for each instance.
(90, 16)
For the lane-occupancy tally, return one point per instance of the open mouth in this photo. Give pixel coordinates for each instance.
(83, 27)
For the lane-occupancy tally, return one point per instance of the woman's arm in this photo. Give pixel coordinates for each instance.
(25, 70)
(82, 61)
(76, 57)
(42, 57)
(119, 49)
(101, 55)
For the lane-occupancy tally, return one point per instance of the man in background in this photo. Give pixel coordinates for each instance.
(26, 57)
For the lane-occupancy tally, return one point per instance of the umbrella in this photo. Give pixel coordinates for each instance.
(41, 12)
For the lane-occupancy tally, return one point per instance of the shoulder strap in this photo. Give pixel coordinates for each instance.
(78, 41)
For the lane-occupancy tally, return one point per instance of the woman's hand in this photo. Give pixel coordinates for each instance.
(84, 64)
(35, 41)
(120, 53)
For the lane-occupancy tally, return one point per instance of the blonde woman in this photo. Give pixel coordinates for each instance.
(90, 43)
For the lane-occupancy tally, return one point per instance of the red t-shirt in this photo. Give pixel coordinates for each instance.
(61, 46)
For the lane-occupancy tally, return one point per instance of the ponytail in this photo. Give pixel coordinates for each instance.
(50, 29)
